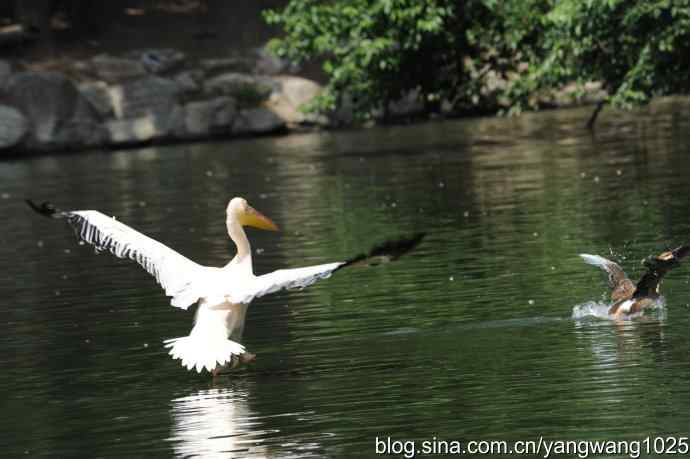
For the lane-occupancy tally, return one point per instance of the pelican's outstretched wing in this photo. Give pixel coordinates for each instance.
(304, 277)
(177, 274)
(621, 286)
(284, 279)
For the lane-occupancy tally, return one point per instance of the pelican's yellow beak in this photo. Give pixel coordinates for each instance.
(253, 217)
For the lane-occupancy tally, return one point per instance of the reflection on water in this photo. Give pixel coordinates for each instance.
(471, 336)
(215, 423)
(623, 352)
(218, 422)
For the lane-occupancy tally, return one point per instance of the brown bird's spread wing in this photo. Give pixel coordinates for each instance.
(621, 286)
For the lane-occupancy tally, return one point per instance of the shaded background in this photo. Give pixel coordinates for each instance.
(81, 28)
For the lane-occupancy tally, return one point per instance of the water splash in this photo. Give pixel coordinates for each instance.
(600, 310)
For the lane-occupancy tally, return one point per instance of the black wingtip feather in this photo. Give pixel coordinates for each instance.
(46, 209)
(386, 252)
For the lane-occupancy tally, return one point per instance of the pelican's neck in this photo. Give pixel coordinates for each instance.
(239, 237)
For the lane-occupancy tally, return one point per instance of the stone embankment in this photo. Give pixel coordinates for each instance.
(149, 96)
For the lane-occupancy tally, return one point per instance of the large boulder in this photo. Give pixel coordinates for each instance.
(141, 129)
(206, 117)
(227, 64)
(151, 95)
(268, 63)
(116, 69)
(14, 127)
(189, 82)
(259, 120)
(145, 109)
(247, 90)
(5, 72)
(98, 95)
(158, 60)
(294, 94)
(59, 115)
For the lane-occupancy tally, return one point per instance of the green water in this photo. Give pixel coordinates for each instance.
(471, 337)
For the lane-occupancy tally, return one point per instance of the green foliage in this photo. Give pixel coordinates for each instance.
(487, 54)
(638, 49)
(372, 50)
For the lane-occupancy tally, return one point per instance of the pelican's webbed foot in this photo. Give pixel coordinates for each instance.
(235, 362)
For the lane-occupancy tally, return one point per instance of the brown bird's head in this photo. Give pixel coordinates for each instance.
(666, 261)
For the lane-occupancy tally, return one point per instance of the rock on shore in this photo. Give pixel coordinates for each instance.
(59, 115)
(162, 95)
(147, 96)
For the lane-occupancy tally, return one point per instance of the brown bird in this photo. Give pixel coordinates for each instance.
(629, 298)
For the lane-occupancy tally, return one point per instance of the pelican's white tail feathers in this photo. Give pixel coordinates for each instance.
(200, 352)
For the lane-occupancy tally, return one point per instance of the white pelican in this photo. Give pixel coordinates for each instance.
(223, 294)
(629, 298)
